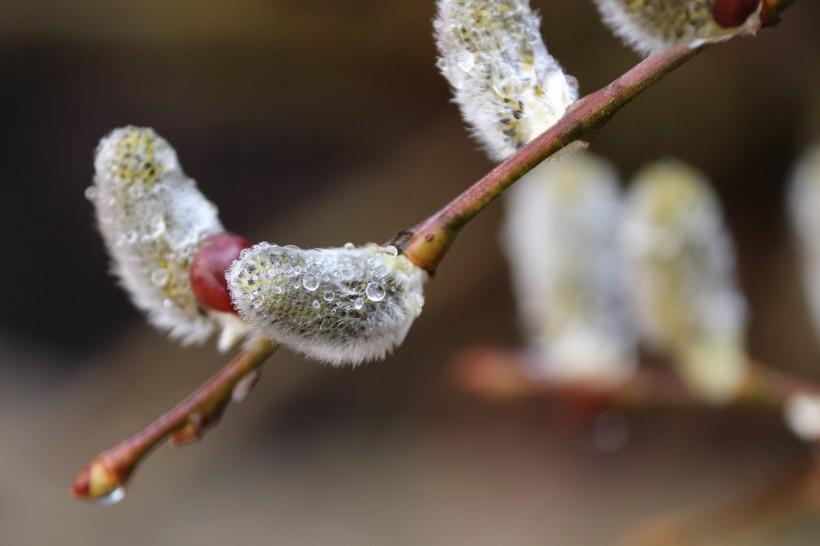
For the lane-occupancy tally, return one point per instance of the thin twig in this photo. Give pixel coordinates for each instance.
(104, 478)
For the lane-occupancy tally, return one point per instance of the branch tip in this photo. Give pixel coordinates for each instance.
(103, 480)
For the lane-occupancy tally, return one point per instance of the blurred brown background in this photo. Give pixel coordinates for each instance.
(316, 122)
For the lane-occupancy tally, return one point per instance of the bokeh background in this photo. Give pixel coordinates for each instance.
(317, 122)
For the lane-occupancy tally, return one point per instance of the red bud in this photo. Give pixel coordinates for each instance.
(207, 271)
(733, 13)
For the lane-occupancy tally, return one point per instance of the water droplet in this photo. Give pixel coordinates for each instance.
(359, 303)
(297, 270)
(244, 386)
(135, 192)
(465, 61)
(277, 290)
(374, 291)
(391, 251)
(115, 496)
(156, 226)
(91, 193)
(257, 299)
(349, 246)
(328, 295)
(316, 304)
(310, 283)
(159, 277)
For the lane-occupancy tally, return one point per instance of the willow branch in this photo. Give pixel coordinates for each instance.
(105, 476)
(426, 243)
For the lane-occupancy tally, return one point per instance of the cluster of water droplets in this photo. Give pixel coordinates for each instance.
(152, 218)
(340, 305)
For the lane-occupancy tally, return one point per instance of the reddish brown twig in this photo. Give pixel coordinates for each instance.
(104, 478)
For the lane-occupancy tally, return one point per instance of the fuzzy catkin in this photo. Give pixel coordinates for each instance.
(152, 217)
(801, 411)
(653, 26)
(508, 87)
(804, 212)
(681, 265)
(338, 305)
(561, 240)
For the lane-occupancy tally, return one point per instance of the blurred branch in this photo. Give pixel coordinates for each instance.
(500, 374)
(104, 478)
(793, 494)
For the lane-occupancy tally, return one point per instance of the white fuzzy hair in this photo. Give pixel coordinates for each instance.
(508, 87)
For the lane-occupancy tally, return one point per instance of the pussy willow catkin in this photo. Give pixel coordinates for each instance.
(508, 87)
(804, 209)
(152, 217)
(681, 273)
(561, 240)
(338, 305)
(652, 26)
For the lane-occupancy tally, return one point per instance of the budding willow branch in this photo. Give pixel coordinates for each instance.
(426, 243)
(107, 474)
